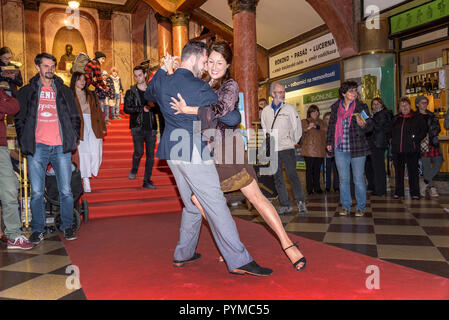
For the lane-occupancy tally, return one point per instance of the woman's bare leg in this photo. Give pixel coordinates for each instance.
(269, 214)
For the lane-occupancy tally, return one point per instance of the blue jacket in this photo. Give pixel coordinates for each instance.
(179, 135)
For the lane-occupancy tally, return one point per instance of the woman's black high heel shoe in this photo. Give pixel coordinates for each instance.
(302, 260)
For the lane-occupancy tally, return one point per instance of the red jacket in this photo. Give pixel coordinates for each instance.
(10, 106)
(92, 73)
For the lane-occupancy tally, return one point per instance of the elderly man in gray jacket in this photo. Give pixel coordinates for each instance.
(285, 120)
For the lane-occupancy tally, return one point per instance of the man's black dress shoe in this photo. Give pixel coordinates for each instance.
(254, 269)
(177, 263)
(148, 185)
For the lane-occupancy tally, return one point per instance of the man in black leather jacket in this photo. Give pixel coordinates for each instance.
(143, 125)
(48, 130)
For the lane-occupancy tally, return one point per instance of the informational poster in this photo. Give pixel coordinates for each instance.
(318, 87)
(314, 52)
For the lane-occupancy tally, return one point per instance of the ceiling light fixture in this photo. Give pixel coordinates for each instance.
(74, 5)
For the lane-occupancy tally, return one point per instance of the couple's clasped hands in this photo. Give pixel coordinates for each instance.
(170, 63)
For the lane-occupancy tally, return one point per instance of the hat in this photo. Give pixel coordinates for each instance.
(419, 98)
(99, 55)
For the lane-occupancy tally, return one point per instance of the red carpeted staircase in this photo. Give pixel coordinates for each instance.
(114, 195)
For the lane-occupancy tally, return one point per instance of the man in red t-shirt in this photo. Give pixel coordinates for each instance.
(48, 129)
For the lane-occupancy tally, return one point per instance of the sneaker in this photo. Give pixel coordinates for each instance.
(422, 188)
(359, 213)
(285, 209)
(36, 237)
(433, 192)
(21, 243)
(108, 122)
(301, 207)
(69, 234)
(86, 185)
(148, 185)
(343, 212)
(132, 175)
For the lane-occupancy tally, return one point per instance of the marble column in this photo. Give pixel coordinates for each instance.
(32, 38)
(180, 24)
(164, 35)
(106, 37)
(245, 54)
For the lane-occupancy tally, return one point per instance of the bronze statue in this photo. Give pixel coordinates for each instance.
(67, 57)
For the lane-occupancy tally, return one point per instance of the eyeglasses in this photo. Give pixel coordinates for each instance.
(279, 91)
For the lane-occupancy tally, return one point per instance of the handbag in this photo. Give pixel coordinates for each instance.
(268, 136)
(425, 144)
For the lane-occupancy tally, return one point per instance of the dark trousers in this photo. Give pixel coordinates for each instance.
(313, 170)
(400, 160)
(287, 158)
(331, 170)
(141, 137)
(375, 171)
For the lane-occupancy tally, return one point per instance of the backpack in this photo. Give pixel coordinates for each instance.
(80, 62)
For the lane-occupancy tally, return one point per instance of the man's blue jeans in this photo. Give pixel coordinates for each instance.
(37, 167)
(344, 163)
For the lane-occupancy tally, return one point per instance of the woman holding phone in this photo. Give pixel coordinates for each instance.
(348, 124)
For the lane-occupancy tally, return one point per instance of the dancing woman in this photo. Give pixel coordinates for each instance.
(233, 174)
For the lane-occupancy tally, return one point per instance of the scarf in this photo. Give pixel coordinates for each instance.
(342, 114)
(409, 115)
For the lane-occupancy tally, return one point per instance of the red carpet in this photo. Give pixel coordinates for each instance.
(131, 258)
(113, 194)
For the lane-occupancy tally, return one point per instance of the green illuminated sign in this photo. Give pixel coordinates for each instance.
(316, 97)
(420, 15)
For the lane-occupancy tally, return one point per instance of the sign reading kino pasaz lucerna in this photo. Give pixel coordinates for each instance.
(311, 53)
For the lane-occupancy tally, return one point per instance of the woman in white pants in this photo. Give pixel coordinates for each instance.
(92, 130)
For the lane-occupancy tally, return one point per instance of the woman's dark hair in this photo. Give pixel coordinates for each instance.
(326, 114)
(40, 56)
(380, 101)
(347, 85)
(311, 109)
(225, 50)
(5, 50)
(75, 76)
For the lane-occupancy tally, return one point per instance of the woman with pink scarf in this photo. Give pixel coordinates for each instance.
(349, 121)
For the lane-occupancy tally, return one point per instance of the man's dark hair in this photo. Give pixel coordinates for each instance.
(193, 48)
(4, 50)
(140, 67)
(40, 56)
(345, 86)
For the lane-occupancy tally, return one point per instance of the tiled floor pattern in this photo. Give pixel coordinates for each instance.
(413, 233)
(42, 273)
